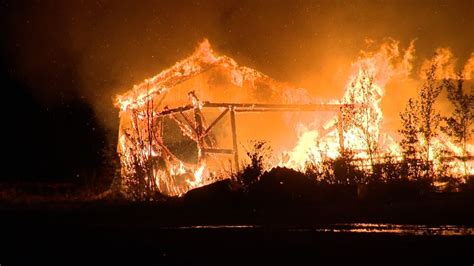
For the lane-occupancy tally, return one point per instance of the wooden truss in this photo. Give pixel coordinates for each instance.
(197, 129)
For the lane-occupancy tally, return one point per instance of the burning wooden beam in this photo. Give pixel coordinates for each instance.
(215, 121)
(233, 108)
(262, 107)
(234, 138)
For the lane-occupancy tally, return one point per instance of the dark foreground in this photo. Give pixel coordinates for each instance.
(108, 233)
(281, 219)
(157, 246)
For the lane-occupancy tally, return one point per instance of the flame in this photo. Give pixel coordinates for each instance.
(356, 127)
(468, 70)
(445, 61)
(365, 88)
(198, 177)
(159, 84)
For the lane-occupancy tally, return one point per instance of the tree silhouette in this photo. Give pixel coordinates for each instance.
(429, 118)
(420, 123)
(410, 142)
(459, 124)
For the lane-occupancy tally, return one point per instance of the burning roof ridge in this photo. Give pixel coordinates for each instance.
(202, 59)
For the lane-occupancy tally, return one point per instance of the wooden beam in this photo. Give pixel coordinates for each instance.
(234, 138)
(175, 110)
(216, 120)
(261, 110)
(189, 123)
(215, 150)
(340, 131)
(261, 106)
(187, 129)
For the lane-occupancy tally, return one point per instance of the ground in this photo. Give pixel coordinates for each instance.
(120, 232)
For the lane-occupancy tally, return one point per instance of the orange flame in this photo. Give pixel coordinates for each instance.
(359, 127)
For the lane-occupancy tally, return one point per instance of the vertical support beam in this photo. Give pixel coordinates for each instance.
(199, 128)
(160, 128)
(234, 138)
(199, 131)
(340, 130)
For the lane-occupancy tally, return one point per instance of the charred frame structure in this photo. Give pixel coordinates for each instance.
(148, 164)
(201, 131)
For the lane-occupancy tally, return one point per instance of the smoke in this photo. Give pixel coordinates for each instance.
(93, 50)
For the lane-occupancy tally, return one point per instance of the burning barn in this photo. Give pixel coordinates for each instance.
(188, 125)
(178, 128)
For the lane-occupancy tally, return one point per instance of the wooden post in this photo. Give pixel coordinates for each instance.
(234, 138)
(199, 130)
(340, 129)
(199, 124)
(215, 121)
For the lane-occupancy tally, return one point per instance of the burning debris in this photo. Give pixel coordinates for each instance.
(178, 130)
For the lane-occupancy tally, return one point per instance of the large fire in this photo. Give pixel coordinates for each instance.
(166, 143)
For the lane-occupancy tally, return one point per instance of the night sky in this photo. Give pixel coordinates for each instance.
(63, 61)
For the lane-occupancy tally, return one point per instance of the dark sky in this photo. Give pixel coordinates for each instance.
(63, 61)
